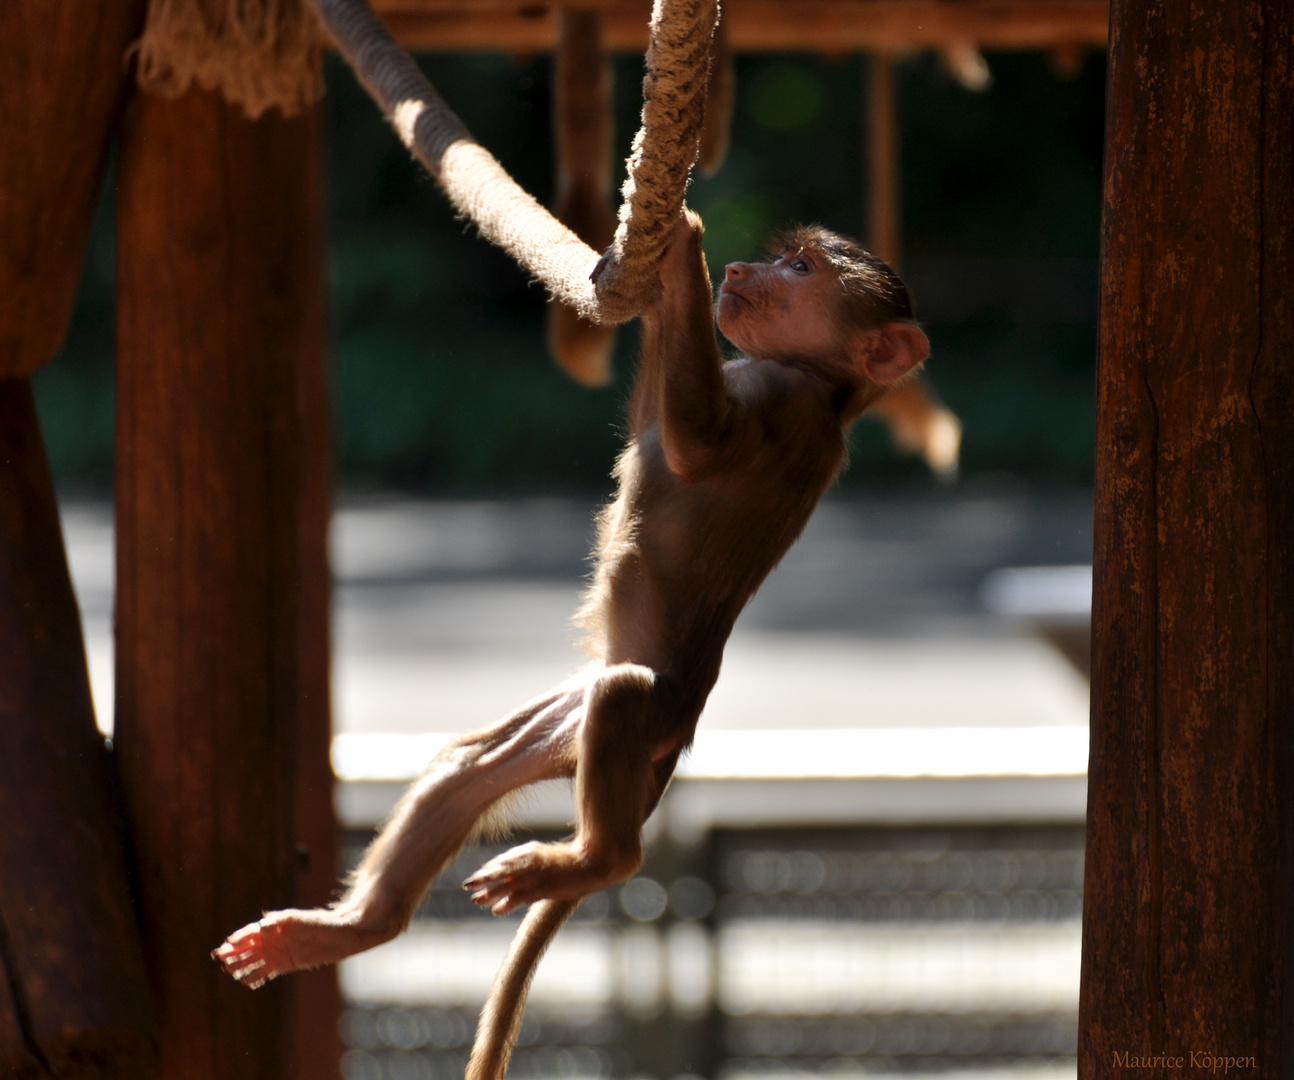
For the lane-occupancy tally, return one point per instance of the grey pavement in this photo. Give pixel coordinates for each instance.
(449, 614)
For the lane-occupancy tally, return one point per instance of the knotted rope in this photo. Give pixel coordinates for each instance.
(480, 188)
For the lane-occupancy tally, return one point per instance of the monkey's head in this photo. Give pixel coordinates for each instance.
(824, 300)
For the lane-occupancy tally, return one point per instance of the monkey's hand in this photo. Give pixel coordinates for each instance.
(256, 954)
(678, 264)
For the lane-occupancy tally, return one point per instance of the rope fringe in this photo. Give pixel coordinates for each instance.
(259, 54)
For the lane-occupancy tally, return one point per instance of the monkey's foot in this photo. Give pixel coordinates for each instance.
(533, 872)
(292, 940)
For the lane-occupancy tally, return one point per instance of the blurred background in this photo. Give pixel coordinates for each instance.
(872, 863)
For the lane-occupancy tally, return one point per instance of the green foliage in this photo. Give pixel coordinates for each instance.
(441, 378)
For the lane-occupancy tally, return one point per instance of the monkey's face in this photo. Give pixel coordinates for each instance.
(783, 310)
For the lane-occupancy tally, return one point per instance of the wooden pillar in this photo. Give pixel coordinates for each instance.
(1188, 933)
(918, 422)
(883, 210)
(74, 999)
(222, 506)
(61, 80)
(584, 133)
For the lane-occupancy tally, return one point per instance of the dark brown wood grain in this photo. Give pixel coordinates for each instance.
(1188, 907)
(222, 507)
(884, 213)
(830, 26)
(74, 1001)
(314, 1000)
(62, 73)
(16, 1057)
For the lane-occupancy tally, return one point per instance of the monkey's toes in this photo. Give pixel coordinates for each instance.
(505, 867)
(491, 892)
(500, 896)
(500, 883)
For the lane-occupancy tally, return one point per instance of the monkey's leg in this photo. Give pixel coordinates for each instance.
(428, 826)
(626, 726)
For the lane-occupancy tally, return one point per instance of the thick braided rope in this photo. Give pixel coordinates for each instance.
(664, 150)
(505, 213)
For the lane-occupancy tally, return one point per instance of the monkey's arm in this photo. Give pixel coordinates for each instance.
(681, 383)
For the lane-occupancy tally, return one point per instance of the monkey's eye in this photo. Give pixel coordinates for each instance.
(800, 265)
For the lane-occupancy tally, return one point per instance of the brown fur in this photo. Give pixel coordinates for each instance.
(725, 463)
(501, 1018)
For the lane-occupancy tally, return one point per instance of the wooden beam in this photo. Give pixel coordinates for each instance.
(61, 81)
(76, 1000)
(222, 670)
(1188, 923)
(830, 26)
(883, 161)
(584, 131)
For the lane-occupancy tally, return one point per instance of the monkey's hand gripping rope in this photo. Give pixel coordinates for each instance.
(604, 289)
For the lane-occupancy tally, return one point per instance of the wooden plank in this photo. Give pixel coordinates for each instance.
(16, 1059)
(222, 682)
(883, 161)
(314, 997)
(584, 145)
(830, 26)
(75, 989)
(60, 84)
(1187, 934)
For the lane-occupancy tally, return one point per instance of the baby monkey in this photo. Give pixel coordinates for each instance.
(725, 463)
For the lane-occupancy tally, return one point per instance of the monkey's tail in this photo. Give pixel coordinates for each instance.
(501, 1018)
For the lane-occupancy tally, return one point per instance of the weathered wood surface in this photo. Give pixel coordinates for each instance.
(74, 1000)
(884, 161)
(222, 505)
(584, 146)
(830, 26)
(61, 80)
(1189, 909)
(314, 999)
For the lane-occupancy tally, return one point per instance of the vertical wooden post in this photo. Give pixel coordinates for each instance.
(222, 504)
(1188, 932)
(61, 81)
(314, 998)
(883, 208)
(584, 133)
(917, 421)
(74, 999)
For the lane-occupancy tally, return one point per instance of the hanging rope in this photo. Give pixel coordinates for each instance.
(479, 187)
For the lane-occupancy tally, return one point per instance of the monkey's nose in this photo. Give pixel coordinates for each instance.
(735, 271)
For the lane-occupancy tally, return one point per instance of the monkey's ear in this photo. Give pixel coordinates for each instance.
(890, 351)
